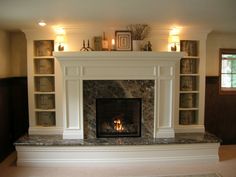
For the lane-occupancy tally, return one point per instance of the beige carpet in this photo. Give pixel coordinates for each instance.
(195, 175)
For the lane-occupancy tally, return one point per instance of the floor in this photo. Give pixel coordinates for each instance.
(226, 167)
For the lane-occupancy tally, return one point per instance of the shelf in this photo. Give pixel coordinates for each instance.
(44, 93)
(41, 75)
(192, 91)
(189, 74)
(44, 57)
(191, 57)
(188, 109)
(45, 110)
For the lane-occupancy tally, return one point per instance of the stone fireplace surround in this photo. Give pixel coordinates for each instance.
(71, 149)
(143, 89)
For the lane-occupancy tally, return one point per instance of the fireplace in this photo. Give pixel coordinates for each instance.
(118, 117)
(77, 67)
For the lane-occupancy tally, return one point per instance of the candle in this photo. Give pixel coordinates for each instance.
(113, 44)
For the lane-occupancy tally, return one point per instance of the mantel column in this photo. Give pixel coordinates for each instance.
(73, 113)
(164, 102)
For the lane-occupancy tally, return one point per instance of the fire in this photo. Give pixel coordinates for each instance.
(118, 125)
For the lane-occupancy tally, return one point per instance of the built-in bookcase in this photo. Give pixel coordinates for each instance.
(189, 83)
(44, 83)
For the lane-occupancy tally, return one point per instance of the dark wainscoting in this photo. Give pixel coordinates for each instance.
(220, 112)
(13, 112)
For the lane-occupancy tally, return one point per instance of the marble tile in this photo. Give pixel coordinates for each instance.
(93, 89)
(56, 140)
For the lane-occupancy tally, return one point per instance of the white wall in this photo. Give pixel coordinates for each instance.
(18, 54)
(214, 42)
(5, 66)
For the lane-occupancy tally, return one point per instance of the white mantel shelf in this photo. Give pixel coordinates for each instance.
(125, 55)
(162, 67)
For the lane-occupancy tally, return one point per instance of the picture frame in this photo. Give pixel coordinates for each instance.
(123, 40)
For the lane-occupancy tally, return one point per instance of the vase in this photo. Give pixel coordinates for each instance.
(137, 45)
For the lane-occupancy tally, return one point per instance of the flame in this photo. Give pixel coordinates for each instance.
(118, 125)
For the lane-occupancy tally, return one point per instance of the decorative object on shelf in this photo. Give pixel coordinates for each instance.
(173, 40)
(60, 38)
(97, 41)
(45, 101)
(139, 33)
(123, 40)
(84, 48)
(46, 119)
(190, 47)
(88, 47)
(187, 100)
(44, 47)
(44, 66)
(45, 84)
(60, 41)
(104, 43)
(187, 117)
(113, 45)
(137, 45)
(187, 83)
(148, 46)
(188, 66)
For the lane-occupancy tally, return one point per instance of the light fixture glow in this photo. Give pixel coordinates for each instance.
(42, 23)
(60, 38)
(59, 30)
(173, 39)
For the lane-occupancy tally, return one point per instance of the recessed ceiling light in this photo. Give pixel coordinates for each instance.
(42, 23)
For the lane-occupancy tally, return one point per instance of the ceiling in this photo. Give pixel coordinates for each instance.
(216, 15)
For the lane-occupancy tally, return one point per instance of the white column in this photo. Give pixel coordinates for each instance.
(164, 103)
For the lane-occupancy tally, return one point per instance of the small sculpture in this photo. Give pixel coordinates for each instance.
(148, 46)
(88, 48)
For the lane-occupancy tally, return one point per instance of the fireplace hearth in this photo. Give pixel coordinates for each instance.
(118, 117)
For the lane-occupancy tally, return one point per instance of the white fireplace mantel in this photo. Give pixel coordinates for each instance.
(162, 67)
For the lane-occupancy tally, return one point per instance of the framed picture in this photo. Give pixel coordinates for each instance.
(123, 40)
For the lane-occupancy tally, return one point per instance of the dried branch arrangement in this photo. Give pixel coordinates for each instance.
(139, 31)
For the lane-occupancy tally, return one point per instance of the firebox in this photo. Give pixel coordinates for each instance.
(118, 117)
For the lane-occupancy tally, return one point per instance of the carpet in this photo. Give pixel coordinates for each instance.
(194, 175)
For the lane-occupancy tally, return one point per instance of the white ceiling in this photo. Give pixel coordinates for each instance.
(217, 15)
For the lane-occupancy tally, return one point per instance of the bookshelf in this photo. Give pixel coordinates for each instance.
(189, 83)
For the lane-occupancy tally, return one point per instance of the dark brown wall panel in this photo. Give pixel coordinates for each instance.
(13, 112)
(220, 112)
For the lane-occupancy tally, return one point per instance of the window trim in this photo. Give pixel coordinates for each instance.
(225, 51)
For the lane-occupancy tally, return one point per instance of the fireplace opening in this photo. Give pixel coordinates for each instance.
(118, 117)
